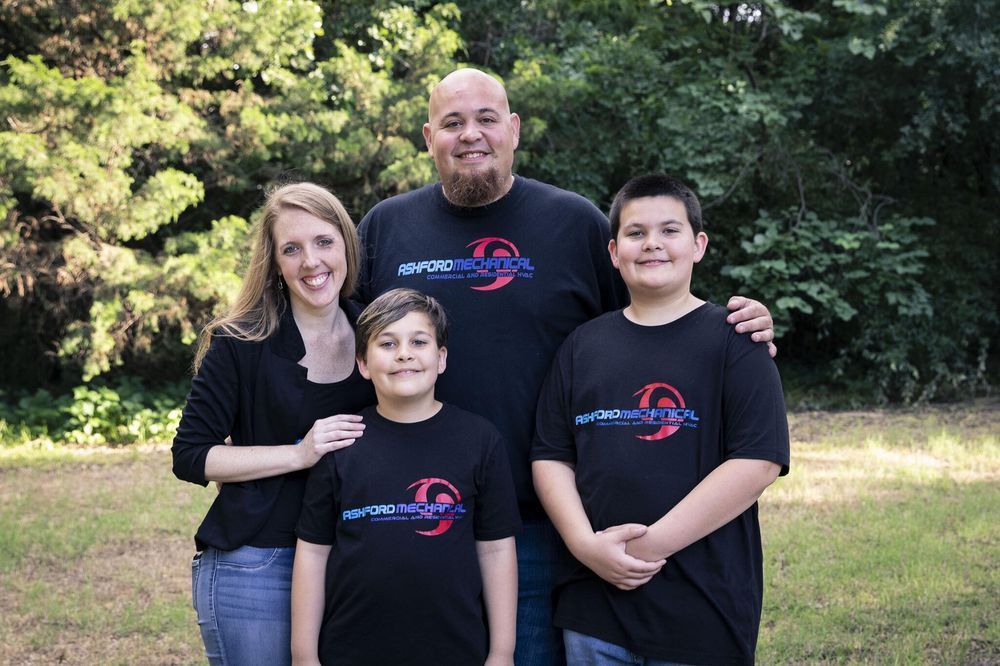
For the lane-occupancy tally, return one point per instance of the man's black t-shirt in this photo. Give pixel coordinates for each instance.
(515, 277)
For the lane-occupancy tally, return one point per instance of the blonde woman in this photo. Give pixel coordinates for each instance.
(277, 374)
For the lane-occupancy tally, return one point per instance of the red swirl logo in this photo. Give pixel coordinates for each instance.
(495, 247)
(423, 487)
(671, 398)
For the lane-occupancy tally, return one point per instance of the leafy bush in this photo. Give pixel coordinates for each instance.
(93, 415)
(861, 287)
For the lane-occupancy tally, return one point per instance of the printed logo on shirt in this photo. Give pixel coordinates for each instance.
(661, 406)
(446, 507)
(494, 260)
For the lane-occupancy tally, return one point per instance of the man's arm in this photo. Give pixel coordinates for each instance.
(308, 600)
(498, 567)
(602, 552)
(752, 317)
(728, 491)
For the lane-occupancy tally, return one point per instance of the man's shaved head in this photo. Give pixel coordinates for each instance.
(471, 134)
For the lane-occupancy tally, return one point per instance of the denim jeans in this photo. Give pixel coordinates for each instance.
(539, 643)
(584, 650)
(243, 601)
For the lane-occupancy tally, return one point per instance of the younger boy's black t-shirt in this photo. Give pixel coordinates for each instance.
(403, 508)
(645, 413)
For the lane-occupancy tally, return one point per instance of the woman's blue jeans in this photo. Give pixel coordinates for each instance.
(243, 599)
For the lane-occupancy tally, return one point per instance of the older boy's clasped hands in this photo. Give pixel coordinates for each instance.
(607, 557)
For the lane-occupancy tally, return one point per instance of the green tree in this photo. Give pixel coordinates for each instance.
(845, 152)
(139, 137)
(820, 139)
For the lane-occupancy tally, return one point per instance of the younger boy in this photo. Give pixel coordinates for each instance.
(410, 530)
(658, 428)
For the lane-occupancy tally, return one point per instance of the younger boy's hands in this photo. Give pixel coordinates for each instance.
(604, 554)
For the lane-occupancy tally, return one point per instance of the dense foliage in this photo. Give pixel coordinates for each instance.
(94, 415)
(845, 152)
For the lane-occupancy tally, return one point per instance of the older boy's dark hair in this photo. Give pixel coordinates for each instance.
(392, 306)
(656, 185)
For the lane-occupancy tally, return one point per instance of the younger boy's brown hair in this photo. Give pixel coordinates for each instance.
(392, 306)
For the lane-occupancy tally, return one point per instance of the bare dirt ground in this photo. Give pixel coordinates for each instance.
(113, 586)
(977, 419)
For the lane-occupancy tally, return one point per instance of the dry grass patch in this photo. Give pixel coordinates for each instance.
(97, 562)
(882, 546)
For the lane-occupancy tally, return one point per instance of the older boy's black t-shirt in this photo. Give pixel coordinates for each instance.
(646, 413)
(403, 508)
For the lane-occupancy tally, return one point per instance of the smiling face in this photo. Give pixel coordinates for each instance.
(656, 248)
(404, 360)
(471, 134)
(310, 255)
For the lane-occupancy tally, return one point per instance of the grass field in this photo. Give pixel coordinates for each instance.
(882, 546)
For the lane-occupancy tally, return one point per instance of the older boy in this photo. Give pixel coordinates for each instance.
(410, 530)
(661, 423)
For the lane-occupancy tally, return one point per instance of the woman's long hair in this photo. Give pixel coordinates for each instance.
(260, 304)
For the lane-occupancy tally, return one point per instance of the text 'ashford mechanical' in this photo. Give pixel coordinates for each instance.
(493, 258)
(446, 507)
(667, 411)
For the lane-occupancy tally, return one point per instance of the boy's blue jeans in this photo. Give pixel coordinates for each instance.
(539, 643)
(243, 599)
(584, 650)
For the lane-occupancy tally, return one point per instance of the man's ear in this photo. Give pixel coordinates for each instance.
(427, 138)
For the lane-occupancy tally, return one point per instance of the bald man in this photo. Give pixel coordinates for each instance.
(518, 265)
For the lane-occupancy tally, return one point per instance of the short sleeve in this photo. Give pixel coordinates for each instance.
(756, 425)
(497, 515)
(318, 520)
(554, 431)
(363, 292)
(614, 294)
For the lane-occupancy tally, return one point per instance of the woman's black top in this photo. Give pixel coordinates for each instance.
(256, 393)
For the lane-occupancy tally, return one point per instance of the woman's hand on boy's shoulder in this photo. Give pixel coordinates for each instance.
(330, 434)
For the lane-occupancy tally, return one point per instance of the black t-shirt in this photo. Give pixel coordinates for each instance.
(515, 277)
(348, 396)
(403, 508)
(645, 413)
